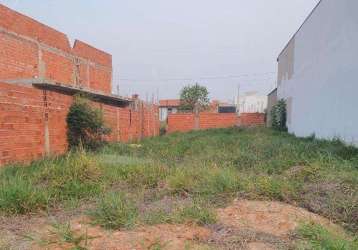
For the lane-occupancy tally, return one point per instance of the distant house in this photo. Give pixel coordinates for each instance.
(217, 106)
(252, 102)
(168, 107)
(317, 73)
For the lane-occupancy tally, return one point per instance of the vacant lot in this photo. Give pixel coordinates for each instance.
(195, 185)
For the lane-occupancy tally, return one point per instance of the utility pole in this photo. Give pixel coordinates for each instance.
(238, 99)
(157, 101)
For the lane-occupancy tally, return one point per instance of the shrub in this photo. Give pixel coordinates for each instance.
(279, 116)
(85, 125)
(115, 211)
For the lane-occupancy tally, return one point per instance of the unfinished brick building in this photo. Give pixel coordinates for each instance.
(39, 74)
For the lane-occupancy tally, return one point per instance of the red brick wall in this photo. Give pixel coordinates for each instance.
(33, 121)
(180, 122)
(57, 67)
(97, 77)
(18, 58)
(84, 50)
(21, 123)
(57, 109)
(23, 112)
(217, 120)
(26, 26)
(251, 119)
(184, 122)
(29, 50)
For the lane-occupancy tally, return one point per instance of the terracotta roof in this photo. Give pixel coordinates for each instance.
(169, 103)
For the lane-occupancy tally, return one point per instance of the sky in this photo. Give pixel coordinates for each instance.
(159, 46)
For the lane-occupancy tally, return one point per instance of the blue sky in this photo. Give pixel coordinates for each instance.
(158, 46)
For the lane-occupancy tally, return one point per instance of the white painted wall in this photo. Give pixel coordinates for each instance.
(324, 85)
(251, 102)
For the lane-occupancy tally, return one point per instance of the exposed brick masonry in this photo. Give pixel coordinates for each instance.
(29, 49)
(33, 121)
(183, 122)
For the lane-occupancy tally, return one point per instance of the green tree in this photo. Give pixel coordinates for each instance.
(85, 125)
(192, 95)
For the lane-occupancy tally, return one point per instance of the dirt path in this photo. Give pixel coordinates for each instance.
(242, 225)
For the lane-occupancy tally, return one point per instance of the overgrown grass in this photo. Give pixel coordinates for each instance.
(212, 166)
(115, 211)
(313, 236)
(194, 213)
(49, 182)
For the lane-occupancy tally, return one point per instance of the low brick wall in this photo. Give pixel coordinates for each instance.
(251, 119)
(180, 122)
(187, 121)
(184, 122)
(217, 120)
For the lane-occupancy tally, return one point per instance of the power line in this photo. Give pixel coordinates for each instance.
(198, 78)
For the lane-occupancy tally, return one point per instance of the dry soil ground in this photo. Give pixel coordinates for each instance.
(242, 225)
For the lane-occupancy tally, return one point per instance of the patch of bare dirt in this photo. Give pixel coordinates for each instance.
(252, 225)
(275, 218)
(165, 236)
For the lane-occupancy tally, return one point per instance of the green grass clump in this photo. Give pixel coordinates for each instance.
(76, 176)
(65, 234)
(313, 236)
(155, 217)
(115, 211)
(204, 181)
(196, 213)
(19, 196)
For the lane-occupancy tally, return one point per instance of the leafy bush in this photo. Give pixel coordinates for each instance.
(85, 125)
(279, 116)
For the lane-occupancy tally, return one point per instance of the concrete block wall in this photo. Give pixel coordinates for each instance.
(33, 121)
